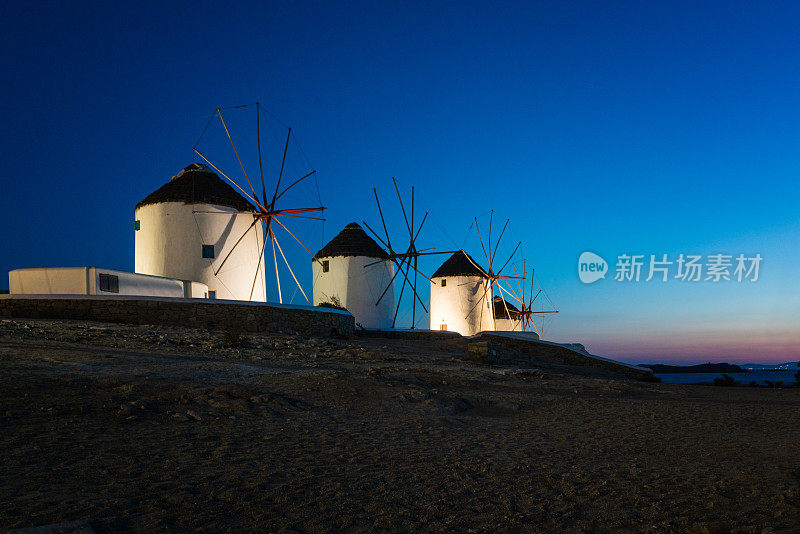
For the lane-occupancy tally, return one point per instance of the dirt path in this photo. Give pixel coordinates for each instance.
(137, 428)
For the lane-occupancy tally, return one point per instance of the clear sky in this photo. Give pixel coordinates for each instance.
(639, 128)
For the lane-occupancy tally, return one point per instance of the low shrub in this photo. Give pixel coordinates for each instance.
(334, 303)
(725, 381)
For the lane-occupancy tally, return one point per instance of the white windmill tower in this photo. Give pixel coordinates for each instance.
(532, 300)
(172, 240)
(354, 272)
(507, 317)
(459, 299)
(201, 228)
(406, 261)
(469, 306)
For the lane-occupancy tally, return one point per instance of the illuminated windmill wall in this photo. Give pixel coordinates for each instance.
(353, 271)
(250, 203)
(468, 298)
(184, 229)
(507, 317)
(459, 299)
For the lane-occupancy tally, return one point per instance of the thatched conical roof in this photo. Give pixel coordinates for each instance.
(500, 309)
(459, 264)
(352, 241)
(197, 184)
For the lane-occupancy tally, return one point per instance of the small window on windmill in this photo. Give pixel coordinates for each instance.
(326, 266)
(208, 251)
(109, 283)
(444, 282)
(137, 225)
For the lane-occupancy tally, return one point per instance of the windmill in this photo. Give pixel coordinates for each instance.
(492, 277)
(407, 260)
(274, 211)
(526, 301)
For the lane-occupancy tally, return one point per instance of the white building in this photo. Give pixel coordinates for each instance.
(186, 229)
(98, 281)
(353, 271)
(506, 315)
(460, 301)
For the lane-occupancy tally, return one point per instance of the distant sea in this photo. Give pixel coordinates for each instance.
(759, 376)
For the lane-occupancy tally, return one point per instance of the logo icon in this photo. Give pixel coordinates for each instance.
(591, 267)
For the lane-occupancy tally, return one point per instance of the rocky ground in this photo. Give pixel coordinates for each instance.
(115, 428)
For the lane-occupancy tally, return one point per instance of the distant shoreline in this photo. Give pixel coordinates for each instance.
(701, 368)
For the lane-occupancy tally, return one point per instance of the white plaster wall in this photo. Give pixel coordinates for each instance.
(170, 239)
(357, 287)
(195, 290)
(86, 281)
(507, 325)
(451, 305)
(136, 284)
(49, 281)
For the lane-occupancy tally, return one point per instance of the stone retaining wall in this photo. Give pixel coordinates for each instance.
(212, 315)
(426, 335)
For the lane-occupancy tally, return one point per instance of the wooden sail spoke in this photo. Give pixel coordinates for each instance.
(275, 240)
(296, 239)
(482, 247)
(480, 301)
(420, 227)
(505, 305)
(475, 264)
(400, 299)
(535, 296)
(304, 217)
(509, 258)
(383, 221)
(533, 279)
(374, 263)
(422, 274)
(236, 152)
(402, 208)
(414, 289)
(378, 237)
(389, 286)
(228, 255)
(275, 260)
(260, 166)
(280, 175)
(407, 261)
(489, 241)
(245, 193)
(266, 209)
(293, 211)
(294, 184)
(258, 268)
(511, 292)
(497, 244)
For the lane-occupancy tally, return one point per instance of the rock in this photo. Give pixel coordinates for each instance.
(479, 351)
(194, 415)
(533, 373)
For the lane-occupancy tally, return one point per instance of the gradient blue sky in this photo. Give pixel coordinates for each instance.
(633, 127)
